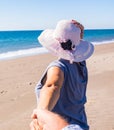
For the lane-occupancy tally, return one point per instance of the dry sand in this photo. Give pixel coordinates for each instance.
(18, 78)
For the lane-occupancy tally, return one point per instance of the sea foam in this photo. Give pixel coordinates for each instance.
(22, 53)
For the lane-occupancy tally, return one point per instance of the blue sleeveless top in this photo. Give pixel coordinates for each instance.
(73, 92)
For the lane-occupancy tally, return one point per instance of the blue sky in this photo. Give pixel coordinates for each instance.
(42, 14)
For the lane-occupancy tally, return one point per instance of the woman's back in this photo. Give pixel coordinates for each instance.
(73, 92)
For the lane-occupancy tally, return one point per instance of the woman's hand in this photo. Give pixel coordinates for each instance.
(35, 125)
(47, 120)
(80, 26)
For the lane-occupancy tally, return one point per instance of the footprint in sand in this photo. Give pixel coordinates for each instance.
(3, 92)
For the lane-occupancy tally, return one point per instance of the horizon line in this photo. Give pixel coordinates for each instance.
(44, 29)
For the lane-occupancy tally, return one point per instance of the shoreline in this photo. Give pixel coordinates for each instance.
(19, 77)
(32, 52)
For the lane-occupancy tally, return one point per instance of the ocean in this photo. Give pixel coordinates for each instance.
(14, 44)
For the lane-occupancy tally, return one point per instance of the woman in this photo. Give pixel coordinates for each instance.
(62, 88)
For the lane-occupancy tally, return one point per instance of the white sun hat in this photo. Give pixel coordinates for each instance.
(64, 31)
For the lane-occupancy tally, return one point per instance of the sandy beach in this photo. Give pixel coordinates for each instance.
(18, 78)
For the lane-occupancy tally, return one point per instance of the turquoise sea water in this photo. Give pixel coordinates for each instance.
(23, 43)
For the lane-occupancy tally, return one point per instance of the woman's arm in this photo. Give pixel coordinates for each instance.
(50, 92)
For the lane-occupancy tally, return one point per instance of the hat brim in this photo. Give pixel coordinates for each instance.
(82, 52)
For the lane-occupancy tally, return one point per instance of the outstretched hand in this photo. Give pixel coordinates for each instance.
(46, 120)
(35, 125)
